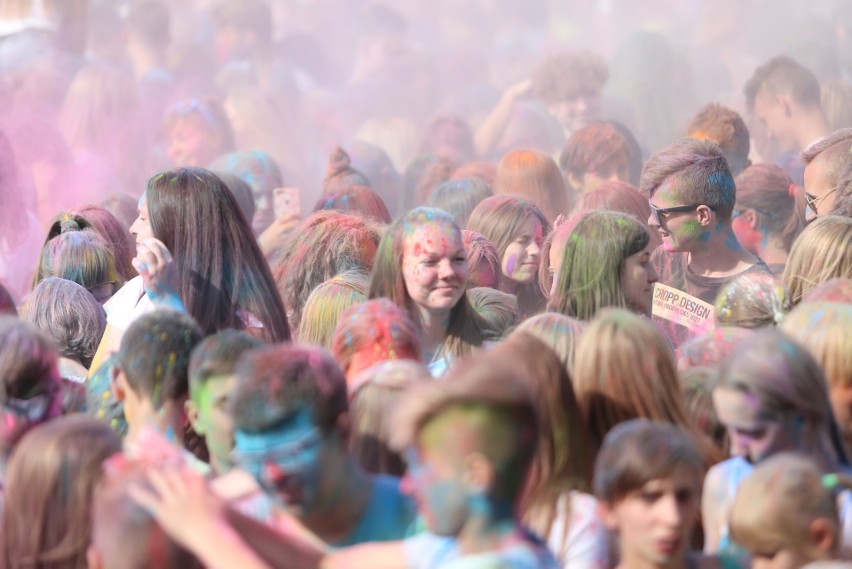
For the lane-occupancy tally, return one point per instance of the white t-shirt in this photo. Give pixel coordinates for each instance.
(586, 545)
(128, 304)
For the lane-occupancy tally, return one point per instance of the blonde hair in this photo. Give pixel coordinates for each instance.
(327, 302)
(625, 369)
(822, 251)
(535, 176)
(823, 328)
(776, 504)
(752, 300)
(561, 333)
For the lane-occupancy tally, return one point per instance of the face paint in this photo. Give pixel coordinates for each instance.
(286, 461)
(434, 266)
(215, 420)
(522, 256)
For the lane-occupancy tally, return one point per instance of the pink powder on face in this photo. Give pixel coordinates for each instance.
(510, 264)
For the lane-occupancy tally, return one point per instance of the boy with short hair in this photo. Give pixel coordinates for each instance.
(150, 372)
(470, 441)
(211, 381)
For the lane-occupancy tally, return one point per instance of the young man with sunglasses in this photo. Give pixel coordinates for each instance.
(824, 161)
(290, 414)
(691, 193)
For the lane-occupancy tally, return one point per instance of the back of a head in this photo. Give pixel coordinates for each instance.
(40, 499)
(341, 174)
(374, 331)
(776, 504)
(558, 331)
(599, 149)
(124, 535)
(617, 196)
(69, 314)
(155, 352)
(27, 360)
(116, 235)
(483, 261)
(494, 407)
(498, 309)
(79, 256)
(823, 329)
(782, 75)
(727, 129)
(700, 168)
(327, 302)
(638, 451)
(356, 200)
(823, 251)
(274, 383)
(769, 190)
(711, 348)
(753, 300)
(459, 197)
(241, 191)
(535, 176)
(568, 76)
(217, 355)
(831, 154)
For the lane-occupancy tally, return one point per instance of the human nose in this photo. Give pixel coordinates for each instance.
(445, 269)
(133, 227)
(653, 276)
(669, 511)
(534, 250)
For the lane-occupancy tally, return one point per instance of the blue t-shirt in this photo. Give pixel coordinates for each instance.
(389, 515)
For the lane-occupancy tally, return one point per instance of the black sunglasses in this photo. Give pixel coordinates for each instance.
(659, 212)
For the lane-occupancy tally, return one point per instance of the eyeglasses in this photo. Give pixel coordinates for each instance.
(659, 212)
(252, 460)
(102, 291)
(813, 201)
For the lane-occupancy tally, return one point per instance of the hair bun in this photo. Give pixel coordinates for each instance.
(338, 162)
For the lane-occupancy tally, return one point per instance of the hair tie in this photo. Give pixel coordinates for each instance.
(68, 225)
(792, 190)
(830, 481)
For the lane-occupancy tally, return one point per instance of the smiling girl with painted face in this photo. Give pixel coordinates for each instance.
(421, 266)
(772, 397)
(517, 228)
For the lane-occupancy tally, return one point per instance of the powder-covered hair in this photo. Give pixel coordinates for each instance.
(570, 75)
(711, 348)
(822, 251)
(752, 300)
(782, 75)
(776, 504)
(638, 451)
(81, 256)
(483, 261)
(340, 173)
(371, 332)
(69, 315)
(500, 218)
(355, 200)
(485, 171)
(465, 328)
(598, 148)
(534, 175)
(780, 203)
(787, 382)
(274, 383)
(624, 368)
(823, 329)
(324, 245)
(561, 333)
(327, 302)
(593, 263)
(727, 129)
(498, 309)
(105, 224)
(701, 171)
(154, 355)
(459, 197)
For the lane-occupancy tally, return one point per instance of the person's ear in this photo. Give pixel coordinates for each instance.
(575, 182)
(192, 414)
(705, 215)
(786, 105)
(117, 383)
(479, 474)
(823, 536)
(608, 515)
(752, 218)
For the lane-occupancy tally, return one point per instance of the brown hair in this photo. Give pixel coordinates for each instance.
(569, 75)
(702, 170)
(498, 309)
(624, 369)
(727, 129)
(562, 461)
(533, 175)
(78, 255)
(356, 200)
(596, 148)
(783, 76)
(769, 190)
(822, 251)
(480, 250)
(48, 493)
(833, 153)
(103, 222)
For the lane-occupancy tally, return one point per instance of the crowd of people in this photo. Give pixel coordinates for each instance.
(320, 284)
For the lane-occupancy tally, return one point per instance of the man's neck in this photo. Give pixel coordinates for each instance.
(342, 507)
(811, 127)
(721, 255)
(163, 420)
(491, 530)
